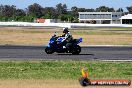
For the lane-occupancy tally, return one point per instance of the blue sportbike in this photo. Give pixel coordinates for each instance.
(56, 45)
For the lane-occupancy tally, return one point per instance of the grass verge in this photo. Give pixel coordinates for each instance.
(64, 70)
(92, 36)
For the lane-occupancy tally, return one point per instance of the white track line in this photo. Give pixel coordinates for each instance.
(117, 60)
(106, 45)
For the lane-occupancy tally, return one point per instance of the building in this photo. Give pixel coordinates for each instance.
(41, 20)
(100, 17)
(126, 19)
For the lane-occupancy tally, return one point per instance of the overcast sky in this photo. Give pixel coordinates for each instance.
(79, 3)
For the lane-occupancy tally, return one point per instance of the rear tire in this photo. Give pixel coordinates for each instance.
(49, 50)
(76, 50)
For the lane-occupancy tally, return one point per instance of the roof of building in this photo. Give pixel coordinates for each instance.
(128, 16)
(100, 12)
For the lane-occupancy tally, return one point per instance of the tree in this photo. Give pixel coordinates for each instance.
(20, 12)
(8, 11)
(35, 10)
(1, 9)
(64, 9)
(111, 9)
(90, 10)
(74, 13)
(74, 9)
(66, 17)
(129, 9)
(61, 8)
(49, 13)
(28, 18)
(105, 9)
(81, 10)
(119, 10)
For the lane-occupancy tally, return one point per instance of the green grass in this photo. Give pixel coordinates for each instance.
(96, 28)
(92, 36)
(117, 29)
(102, 31)
(64, 69)
(99, 33)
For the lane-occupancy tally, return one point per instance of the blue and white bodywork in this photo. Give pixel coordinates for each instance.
(55, 45)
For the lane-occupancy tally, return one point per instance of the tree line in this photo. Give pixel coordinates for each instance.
(60, 11)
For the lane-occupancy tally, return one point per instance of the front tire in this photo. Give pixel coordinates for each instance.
(49, 50)
(76, 50)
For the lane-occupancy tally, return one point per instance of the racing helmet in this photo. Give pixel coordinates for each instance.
(65, 30)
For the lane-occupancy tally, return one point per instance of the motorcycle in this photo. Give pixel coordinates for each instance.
(56, 45)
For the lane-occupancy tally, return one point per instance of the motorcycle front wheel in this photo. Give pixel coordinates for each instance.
(49, 50)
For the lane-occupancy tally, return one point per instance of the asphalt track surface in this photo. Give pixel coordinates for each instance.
(87, 53)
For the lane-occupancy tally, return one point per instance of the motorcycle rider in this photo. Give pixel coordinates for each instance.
(67, 41)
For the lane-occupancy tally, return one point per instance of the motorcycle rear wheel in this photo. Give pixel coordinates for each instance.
(76, 50)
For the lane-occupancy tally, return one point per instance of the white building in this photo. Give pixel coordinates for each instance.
(100, 17)
(126, 19)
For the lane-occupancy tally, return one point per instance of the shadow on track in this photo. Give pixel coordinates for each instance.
(77, 55)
